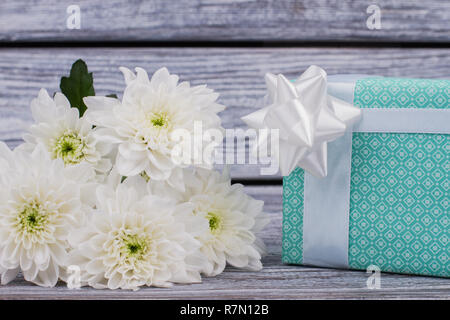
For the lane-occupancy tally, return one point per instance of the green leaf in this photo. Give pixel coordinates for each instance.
(112, 95)
(78, 85)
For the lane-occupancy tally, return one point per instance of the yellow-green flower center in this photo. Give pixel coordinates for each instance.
(70, 148)
(134, 247)
(32, 218)
(159, 120)
(215, 222)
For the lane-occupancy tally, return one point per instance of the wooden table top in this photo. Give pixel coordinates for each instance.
(229, 45)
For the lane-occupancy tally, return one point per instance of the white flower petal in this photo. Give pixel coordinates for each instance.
(230, 218)
(130, 167)
(143, 122)
(128, 75)
(43, 200)
(137, 241)
(61, 100)
(62, 133)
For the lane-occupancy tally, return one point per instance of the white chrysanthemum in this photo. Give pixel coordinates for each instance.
(226, 220)
(144, 122)
(65, 135)
(134, 240)
(41, 200)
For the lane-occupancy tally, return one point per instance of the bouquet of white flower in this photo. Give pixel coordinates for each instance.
(95, 187)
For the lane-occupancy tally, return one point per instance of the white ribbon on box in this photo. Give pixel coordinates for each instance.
(327, 192)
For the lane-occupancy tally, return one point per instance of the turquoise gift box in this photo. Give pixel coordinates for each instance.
(397, 215)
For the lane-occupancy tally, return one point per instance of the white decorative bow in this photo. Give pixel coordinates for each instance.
(307, 118)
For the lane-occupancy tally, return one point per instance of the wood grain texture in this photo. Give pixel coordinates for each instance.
(275, 281)
(237, 74)
(222, 20)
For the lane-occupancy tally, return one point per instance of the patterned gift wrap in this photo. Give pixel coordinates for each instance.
(399, 194)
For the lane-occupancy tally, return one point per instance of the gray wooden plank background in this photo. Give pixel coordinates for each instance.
(274, 20)
(275, 281)
(237, 74)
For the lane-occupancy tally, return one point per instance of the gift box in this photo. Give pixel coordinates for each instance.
(385, 200)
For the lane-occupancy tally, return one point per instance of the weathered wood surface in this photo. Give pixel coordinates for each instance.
(237, 74)
(275, 281)
(276, 20)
